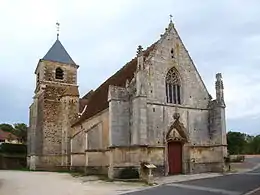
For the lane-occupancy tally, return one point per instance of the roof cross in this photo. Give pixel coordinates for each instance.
(58, 29)
(170, 18)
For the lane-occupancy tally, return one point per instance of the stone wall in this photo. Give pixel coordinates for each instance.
(52, 125)
(132, 156)
(207, 159)
(78, 147)
(78, 159)
(160, 117)
(32, 129)
(78, 142)
(97, 158)
(94, 138)
(90, 142)
(38, 142)
(70, 72)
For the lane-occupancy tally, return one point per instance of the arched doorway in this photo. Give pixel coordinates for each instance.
(175, 139)
(175, 157)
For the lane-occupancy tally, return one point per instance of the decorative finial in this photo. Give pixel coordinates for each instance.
(176, 116)
(58, 29)
(170, 18)
(219, 76)
(219, 82)
(139, 50)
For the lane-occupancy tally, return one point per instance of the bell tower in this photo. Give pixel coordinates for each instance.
(54, 109)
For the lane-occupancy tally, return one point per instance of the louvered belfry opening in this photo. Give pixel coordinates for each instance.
(59, 73)
(173, 87)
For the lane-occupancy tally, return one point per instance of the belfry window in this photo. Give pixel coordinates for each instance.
(59, 73)
(173, 87)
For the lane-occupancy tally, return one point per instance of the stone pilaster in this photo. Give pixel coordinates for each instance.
(119, 132)
(139, 103)
(217, 122)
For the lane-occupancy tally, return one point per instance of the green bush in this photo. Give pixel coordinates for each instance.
(13, 148)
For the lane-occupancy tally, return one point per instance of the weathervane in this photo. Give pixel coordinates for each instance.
(58, 29)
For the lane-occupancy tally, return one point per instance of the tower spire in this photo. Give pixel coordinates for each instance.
(58, 29)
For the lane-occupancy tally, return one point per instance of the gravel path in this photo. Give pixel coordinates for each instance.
(49, 183)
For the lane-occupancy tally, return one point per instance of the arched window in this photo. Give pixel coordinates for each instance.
(59, 73)
(173, 87)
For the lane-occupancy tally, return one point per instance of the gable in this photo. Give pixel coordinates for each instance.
(171, 53)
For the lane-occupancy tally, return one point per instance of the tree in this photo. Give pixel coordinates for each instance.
(240, 143)
(20, 130)
(6, 127)
(236, 142)
(254, 145)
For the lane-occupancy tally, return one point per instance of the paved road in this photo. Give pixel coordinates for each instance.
(233, 184)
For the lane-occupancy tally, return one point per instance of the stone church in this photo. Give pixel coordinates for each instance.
(155, 109)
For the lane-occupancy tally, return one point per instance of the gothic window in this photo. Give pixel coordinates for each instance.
(173, 87)
(59, 73)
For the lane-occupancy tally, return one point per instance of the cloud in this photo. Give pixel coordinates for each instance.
(101, 36)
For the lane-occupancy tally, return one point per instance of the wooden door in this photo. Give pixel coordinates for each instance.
(175, 157)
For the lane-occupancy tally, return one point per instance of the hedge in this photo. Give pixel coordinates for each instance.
(13, 148)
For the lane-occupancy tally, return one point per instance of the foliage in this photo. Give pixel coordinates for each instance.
(18, 129)
(240, 143)
(6, 127)
(13, 148)
(236, 142)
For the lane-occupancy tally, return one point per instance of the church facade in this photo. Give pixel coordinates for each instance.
(155, 109)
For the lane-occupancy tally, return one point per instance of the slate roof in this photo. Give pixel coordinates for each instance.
(57, 53)
(82, 104)
(84, 100)
(98, 99)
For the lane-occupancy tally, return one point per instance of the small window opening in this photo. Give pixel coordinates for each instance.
(172, 52)
(38, 77)
(59, 73)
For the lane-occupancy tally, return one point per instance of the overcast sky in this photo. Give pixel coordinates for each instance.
(101, 36)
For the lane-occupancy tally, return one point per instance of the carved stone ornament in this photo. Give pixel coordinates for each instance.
(176, 131)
